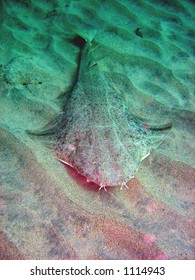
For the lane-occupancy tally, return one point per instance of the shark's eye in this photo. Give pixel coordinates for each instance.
(79, 42)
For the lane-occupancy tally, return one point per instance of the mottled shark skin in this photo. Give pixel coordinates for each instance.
(96, 134)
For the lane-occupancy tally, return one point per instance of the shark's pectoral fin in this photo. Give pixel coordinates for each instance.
(157, 134)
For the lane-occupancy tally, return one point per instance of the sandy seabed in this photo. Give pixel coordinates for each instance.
(48, 211)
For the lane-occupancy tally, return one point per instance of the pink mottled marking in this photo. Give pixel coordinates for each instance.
(147, 126)
(149, 238)
(162, 256)
(174, 171)
(152, 207)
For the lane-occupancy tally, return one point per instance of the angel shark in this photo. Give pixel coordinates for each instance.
(96, 132)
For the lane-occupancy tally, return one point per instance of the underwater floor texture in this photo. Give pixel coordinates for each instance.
(140, 60)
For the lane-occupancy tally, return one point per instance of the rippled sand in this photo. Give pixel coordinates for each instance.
(147, 52)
